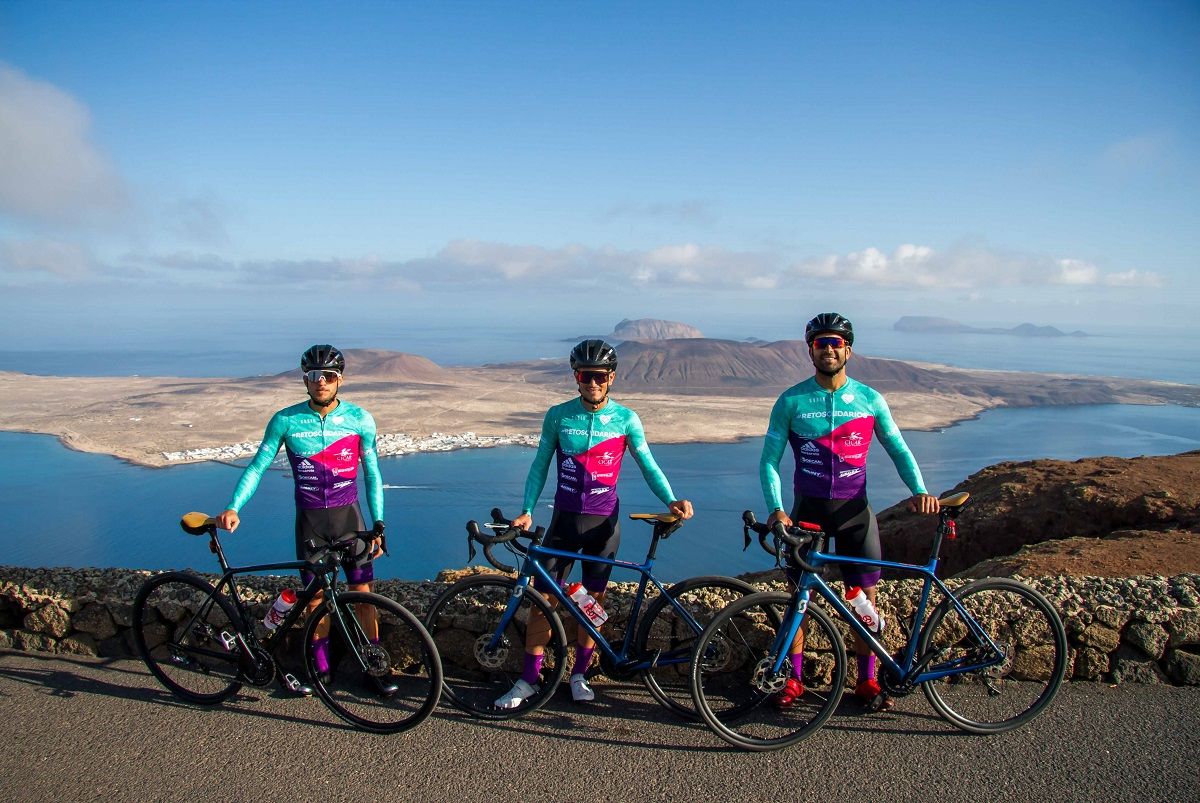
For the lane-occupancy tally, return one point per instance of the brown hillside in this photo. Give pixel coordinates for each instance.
(368, 366)
(1136, 505)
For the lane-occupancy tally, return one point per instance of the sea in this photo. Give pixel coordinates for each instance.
(67, 508)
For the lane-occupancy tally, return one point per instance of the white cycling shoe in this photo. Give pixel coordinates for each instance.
(581, 692)
(519, 693)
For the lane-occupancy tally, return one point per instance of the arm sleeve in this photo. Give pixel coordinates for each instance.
(650, 470)
(536, 479)
(370, 464)
(893, 443)
(772, 453)
(247, 484)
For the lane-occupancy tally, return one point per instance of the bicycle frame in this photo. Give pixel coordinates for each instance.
(531, 566)
(910, 669)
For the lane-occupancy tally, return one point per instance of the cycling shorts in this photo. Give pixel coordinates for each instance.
(586, 533)
(325, 525)
(853, 530)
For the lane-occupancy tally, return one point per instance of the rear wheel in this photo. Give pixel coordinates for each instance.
(181, 628)
(385, 675)
(482, 660)
(669, 636)
(734, 682)
(1011, 686)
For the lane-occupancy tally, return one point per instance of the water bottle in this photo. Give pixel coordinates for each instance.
(283, 603)
(587, 603)
(865, 610)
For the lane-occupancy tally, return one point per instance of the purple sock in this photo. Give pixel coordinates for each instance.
(321, 654)
(798, 666)
(532, 672)
(866, 666)
(583, 657)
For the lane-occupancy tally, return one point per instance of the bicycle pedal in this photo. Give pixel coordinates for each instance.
(229, 640)
(880, 702)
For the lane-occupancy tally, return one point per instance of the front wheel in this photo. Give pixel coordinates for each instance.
(384, 672)
(183, 630)
(667, 635)
(1009, 686)
(737, 686)
(480, 624)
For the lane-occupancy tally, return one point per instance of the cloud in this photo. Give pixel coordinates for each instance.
(198, 220)
(1143, 152)
(690, 212)
(963, 267)
(60, 259)
(50, 171)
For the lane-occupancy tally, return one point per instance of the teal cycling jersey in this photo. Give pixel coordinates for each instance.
(589, 448)
(324, 454)
(830, 434)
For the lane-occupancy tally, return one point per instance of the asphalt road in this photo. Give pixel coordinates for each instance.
(90, 729)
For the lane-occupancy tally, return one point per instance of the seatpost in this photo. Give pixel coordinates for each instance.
(945, 529)
(214, 545)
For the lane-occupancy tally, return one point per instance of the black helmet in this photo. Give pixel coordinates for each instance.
(323, 357)
(593, 354)
(829, 322)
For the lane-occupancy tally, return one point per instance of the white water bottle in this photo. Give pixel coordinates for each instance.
(587, 603)
(283, 603)
(865, 610)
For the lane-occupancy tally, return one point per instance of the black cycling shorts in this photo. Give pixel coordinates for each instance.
(852, 525)
(327, 525)
(589, 534)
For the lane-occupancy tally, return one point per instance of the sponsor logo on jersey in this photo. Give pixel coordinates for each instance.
(309, 488)
(605, 459)
(808, 447)
(812, 473)
(342, 484)
(602, 490)
(346, 454)
(304, 465)
(569, 464)
(821, 414)
(337, 419)
(856, 456)
(848, 397)
(596, 475)
(812, 461)
(853, 439)
(849, 472)
(571, 489)
(604, 419)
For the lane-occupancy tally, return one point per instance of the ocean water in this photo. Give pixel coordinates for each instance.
(74, 509)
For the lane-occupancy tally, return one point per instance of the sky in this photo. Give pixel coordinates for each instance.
(177, 172)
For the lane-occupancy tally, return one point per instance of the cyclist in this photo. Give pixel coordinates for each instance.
(326, 438)
(587, 437)
(829, 420)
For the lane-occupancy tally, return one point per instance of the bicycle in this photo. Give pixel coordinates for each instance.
(483, 663)
(203, 645)
(989, 658)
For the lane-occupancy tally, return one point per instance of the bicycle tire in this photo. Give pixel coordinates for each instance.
(733, 691)
(178, 619)
(667, 635)
(1005, 696)
(383, 686)
(465, 618)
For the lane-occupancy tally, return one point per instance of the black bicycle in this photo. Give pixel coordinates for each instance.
(481, 622)
(203, 644)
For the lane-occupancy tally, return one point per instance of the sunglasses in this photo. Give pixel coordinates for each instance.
(588, 377)
(829, 342)
(315, 376)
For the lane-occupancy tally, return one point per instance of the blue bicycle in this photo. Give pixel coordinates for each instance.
(479, 623)
(989, 657)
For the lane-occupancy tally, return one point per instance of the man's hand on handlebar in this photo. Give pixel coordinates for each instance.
(523, 522)
(228, 520)
(779, 515)
(924, 503)
(682, 508)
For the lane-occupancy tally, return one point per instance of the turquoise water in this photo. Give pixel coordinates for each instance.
(72, 509)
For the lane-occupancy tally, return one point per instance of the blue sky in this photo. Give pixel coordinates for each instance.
(586, 162)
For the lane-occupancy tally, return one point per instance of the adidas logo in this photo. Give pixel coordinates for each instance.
(568, 464)
(810, 448)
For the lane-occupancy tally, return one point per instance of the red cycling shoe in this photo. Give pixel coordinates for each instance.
(872, 695)
(792, 691)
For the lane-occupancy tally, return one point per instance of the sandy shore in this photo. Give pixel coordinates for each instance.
(145, 419)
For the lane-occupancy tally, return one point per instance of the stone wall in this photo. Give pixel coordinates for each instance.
(1142, 629)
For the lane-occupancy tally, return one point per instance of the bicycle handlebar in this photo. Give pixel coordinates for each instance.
(508, 536)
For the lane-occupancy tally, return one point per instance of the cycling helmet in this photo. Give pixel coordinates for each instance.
(593, 354)
(829, 322)
(322, 357)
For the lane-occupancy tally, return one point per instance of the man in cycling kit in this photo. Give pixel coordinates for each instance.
(326, 439)
(829, 420)
(587, 437)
